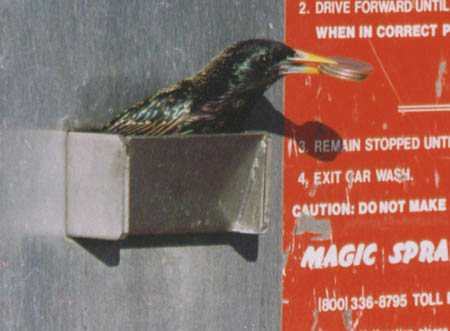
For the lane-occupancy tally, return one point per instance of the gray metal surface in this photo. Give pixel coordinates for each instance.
(119, 186)
(97, 186)
(76, 62)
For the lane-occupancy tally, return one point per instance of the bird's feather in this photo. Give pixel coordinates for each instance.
(169, 111)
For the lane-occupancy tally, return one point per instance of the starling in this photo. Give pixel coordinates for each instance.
(220, 96)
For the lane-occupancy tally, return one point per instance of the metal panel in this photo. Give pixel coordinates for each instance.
(75, 63)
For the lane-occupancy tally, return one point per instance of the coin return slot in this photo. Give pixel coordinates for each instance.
(120, 186)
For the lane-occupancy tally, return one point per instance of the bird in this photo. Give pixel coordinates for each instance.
(220, 96)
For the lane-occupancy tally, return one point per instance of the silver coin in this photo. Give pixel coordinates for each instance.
(347, 69)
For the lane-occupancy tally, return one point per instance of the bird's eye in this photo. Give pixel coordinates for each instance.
(264, 59)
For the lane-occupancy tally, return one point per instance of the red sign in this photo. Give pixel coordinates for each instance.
(367, 169)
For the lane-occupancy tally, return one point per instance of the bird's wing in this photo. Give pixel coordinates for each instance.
(151, 120)
(147, 127)
(167, 112)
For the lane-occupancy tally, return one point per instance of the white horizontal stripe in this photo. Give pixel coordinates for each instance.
(425, 106)
(423, 110)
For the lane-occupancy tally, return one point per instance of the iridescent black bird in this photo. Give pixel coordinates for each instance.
(220, 96)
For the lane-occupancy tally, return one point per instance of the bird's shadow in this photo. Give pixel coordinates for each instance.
(264, 117)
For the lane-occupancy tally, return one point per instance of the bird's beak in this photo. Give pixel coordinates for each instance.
(304, 63)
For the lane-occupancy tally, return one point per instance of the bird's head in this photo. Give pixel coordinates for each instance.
(256, 64)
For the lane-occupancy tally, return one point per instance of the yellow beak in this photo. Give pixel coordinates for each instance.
(304, 63)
